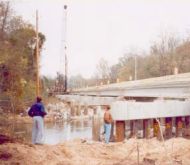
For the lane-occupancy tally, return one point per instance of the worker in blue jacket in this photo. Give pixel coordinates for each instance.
(37, 112)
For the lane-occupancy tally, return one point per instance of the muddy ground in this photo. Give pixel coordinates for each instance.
(81, 152)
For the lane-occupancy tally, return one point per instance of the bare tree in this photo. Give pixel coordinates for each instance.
(103, 70)
(5, 12)
(164, 50)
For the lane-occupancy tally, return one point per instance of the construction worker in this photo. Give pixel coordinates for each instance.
(107, 123)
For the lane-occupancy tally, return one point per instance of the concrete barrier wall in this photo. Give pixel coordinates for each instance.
(126, 110)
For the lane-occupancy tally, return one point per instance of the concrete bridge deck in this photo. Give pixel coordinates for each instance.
(172, 86)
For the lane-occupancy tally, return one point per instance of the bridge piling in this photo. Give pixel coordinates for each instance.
(120, 130)
(179, 126)
(73, 110)
(146, 128)
(78, 110)
(156, 130)
(186, 131)
(168, 127)
(96, 128)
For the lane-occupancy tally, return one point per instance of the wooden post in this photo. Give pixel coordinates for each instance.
(168, 127)
(179, 126)
(120, 131)
(37, 58)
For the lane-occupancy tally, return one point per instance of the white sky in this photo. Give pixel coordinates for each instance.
(101, 28)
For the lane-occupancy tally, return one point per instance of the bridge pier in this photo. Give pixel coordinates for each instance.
(133, 128)
(131, 125)
(146, 128)
(120, 130)
(179, 126)
(186, 131)
(78, 110)
(96, 123)
(95, 110)
(85, 110)
(168, 127)
(187, 122)
(156, 129)
(73, 112)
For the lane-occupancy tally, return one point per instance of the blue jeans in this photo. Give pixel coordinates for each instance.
(37, 130)
(107, 129)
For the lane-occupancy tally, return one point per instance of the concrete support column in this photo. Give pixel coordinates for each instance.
(120, 131)
(168, 127)
(179, 126)
(95, 110)
(77, 110)
(133, 127)
(146, 128)
(73, 113)
(96, 128)
(85, 110)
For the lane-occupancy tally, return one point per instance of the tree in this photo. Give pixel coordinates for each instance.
(17, 48)
(126, 66)
(5, 16)
(103, 70)
(182, 56)
(77, 82)
(114, 72)
(164, 50)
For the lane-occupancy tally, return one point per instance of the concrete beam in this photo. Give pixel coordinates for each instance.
(126, 110)
(87, 100)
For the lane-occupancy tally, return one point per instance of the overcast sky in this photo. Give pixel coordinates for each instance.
(101, 28)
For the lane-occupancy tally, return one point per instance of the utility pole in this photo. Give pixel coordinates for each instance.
(65, 48)
(37, 58)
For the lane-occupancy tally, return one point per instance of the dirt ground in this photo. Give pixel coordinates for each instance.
(80, 152)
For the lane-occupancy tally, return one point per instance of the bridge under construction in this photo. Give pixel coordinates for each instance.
(141, 104)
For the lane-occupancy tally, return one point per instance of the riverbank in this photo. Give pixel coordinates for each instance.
(26, 119)
(81, 152)
(48, 119)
